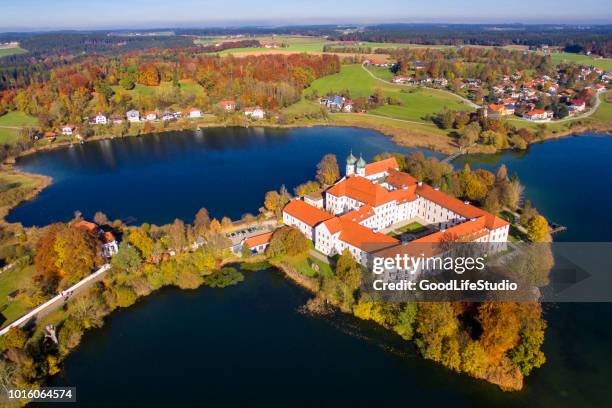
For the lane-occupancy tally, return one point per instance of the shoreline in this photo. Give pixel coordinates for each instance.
(404, 137)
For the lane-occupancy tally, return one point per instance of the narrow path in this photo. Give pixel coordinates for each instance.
(472, 104)
(58, 301)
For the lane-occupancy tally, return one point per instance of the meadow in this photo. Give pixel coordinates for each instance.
(6, 51)
(416, 102)
(581, 59)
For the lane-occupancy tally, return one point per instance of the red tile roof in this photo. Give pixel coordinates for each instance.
(364, 238)
(361, 189)
(256, 240)
(400, 179)
(306, 213)
(362, 213)
(85, 225)
(381, 166)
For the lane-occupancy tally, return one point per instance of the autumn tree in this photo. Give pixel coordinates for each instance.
(100, 218)
(348, 270)
(201, 223)
(307, 188)
(177, 236)
(127, 258)
(537, 229)
(500, 328)
(65, 253)
(327, 170)
(287, 241)
(142, 242)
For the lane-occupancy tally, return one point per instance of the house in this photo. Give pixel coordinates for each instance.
(254, 113)
(348, 106)
(377, 62)
(600, 88)
(133, 115)
(399, 79)
(440, 81)
(116, 119)
(68, 130)
(337, 103)
(100, 119)
(50, 136)
(107, 239)
(177, 115)
(257, 244)
(538, 114)
(578, 104)
(194, 113)
(166, 116)
(150, 116)
(228, 106)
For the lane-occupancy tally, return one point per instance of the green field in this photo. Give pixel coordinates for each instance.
(187, 86)
(10, 281)
(9, 124)
(416, 102)
(16, 118)
(5, 52)
(581, 59)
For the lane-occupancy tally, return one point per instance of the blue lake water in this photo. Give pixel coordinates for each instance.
(249, 345)
(158, 178)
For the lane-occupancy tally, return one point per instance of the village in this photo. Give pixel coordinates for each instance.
(540, 99)
(134, 116)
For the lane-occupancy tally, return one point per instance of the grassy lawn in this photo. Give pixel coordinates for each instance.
(8, 136)
(294, 44)
(303, 107)
(416, 102)
(412, 228)
(16, 118)
(5, 52)
(302, 264)
(581, 59)
(187, 86)
(10, 281)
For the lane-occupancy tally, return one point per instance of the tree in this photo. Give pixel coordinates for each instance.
(127, 258)
(327, 170)
(65, 253)
(537, 229)
(100, 218)
(500, 328)
(287, 241)
(406, 319)
(470, 135)
(176, 234)
(272, 201)
(16, 337)
(142, 242)
(307, 188)
(348, 270)
(201, 223)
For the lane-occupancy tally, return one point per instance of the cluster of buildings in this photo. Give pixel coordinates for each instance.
(106, 238)
(513, 96)
(337, 103)
(360, 211)
(134, 116)
(255, 112)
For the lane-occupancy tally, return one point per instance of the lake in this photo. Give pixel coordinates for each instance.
(158, 178)
(249, 344)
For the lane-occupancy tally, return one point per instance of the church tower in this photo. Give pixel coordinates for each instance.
(350, 164)
(361, 164)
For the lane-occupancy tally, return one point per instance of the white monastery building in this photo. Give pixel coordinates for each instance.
(356, 210)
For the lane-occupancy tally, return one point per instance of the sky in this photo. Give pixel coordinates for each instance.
(102, 14)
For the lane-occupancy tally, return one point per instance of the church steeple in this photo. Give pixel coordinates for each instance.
(361, 164)
(350, 164)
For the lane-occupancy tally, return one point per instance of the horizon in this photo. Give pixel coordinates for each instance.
(32, 15)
